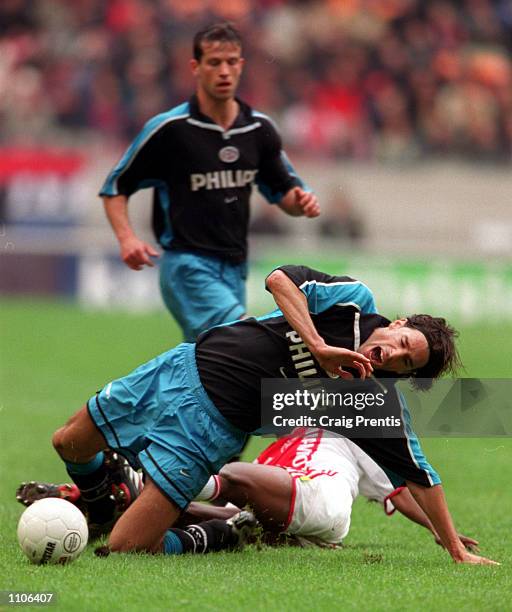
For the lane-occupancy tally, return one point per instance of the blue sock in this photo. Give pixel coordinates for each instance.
(82, 469)
(95, 484)
(172, 544)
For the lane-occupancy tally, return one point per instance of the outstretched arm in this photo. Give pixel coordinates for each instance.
(134, 252)
(294, 306)
(405, 503)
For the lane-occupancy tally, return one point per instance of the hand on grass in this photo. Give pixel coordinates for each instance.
(468, 543)
(472, 559)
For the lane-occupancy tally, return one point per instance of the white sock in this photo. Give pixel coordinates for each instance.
(210, 491)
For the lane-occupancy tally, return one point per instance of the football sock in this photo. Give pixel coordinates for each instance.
(85, 468)
(210, 491)
(95, 488)
(172, 543)
(208, 536)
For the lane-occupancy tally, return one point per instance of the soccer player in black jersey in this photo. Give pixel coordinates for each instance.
(182, 415)
(202, 158)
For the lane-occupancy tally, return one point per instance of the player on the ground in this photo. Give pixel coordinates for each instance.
(318, 477)
(302, 485)
(202, 158)
(186, 412)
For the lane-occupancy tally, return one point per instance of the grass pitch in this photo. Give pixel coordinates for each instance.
(54, 356)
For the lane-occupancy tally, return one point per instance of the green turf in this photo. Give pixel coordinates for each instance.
(54, 356)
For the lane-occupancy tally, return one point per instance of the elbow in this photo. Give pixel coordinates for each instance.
(274, 280)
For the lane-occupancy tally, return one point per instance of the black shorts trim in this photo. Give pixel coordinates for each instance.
(173, 485)
(107, 422)
(96, 424)
(128, 454)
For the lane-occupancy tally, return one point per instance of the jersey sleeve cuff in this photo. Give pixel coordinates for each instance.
(389, 508)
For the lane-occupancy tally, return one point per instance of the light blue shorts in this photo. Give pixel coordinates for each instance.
(201, 291)
(160, 417)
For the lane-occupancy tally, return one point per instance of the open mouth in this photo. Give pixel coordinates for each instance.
(377, 356)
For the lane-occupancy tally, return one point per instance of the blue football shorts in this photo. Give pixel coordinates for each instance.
(201, 291)
(160, 417)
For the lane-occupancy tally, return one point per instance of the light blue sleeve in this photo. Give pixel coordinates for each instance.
(414, 444)
(130, 168)
(323, 295)
(325, 290)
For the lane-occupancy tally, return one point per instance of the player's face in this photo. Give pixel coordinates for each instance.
(219, 69)
(396, 348)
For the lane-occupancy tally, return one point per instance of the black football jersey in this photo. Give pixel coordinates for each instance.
(203, 177)
(232, 359)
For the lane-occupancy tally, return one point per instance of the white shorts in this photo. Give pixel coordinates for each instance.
(320, 510)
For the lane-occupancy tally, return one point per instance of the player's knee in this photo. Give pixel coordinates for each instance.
(66, 444)
(59, 440)
(78, 440)
(117, 543)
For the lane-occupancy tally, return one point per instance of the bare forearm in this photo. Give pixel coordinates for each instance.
(134, 252)
(294, 306)
(433, 503)
(405, 503)
(116, 209)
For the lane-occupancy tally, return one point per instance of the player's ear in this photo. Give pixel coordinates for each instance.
(397, 323)
(194, 65)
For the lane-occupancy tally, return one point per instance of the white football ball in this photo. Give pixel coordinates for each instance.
(52, 530)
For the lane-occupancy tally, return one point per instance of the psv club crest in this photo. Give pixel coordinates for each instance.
(229, 154)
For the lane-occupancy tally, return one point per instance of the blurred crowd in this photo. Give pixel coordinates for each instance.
(392, 80)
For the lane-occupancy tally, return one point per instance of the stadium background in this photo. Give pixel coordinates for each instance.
(397, 112)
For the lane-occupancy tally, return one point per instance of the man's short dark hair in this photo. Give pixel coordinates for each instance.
(216, 32)
(443, 355)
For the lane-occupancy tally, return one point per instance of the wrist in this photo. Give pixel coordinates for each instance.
(125, 236)
(316, 346)
(457, 551)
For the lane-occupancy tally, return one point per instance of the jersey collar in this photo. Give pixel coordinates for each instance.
(244, 118)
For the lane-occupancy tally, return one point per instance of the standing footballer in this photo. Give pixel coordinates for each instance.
(202, 159)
